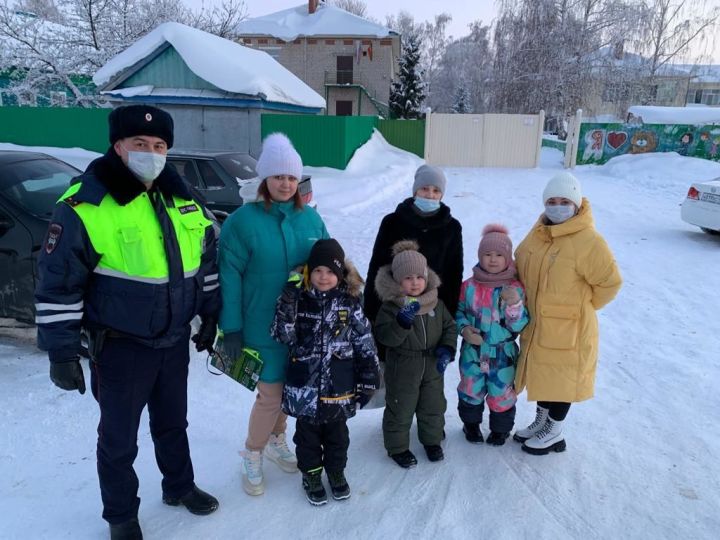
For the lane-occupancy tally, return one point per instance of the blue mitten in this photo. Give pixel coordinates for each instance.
(407, 313)
(444, 356)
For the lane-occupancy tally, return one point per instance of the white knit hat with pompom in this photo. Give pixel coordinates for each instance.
(279, 157)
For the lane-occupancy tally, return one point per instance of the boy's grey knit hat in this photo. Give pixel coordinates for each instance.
(427, 175)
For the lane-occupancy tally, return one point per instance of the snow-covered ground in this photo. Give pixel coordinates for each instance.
(642, 456)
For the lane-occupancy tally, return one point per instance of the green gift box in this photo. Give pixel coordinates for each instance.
(245, 370)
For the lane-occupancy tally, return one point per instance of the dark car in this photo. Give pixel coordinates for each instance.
(219, 176)
(30, 185)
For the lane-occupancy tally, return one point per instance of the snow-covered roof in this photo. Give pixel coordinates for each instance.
(676, 115)
(327, 20)
(221, 62)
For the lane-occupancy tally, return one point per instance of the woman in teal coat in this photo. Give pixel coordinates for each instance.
(259, 244)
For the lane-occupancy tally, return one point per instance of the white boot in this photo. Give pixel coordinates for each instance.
(541, 415)
(548, 439)
(278, 452)
(252, 474)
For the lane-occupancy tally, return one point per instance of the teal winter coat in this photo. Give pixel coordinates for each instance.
(258, 248)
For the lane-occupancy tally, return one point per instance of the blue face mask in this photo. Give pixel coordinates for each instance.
(559, 213)
(427, 205)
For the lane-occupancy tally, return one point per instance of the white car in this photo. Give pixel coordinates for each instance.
(701, 207)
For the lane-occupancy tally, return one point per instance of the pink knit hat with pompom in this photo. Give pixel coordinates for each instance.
(495, 238)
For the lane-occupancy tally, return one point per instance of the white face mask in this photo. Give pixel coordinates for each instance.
(558, 213)
(147, 166)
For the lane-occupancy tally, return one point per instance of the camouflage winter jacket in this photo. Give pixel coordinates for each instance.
(332, 351)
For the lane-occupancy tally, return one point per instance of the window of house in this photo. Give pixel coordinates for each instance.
(711, 97)
(343, 108)
(698, 96)
(344, 69)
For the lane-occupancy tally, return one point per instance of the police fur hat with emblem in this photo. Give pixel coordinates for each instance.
(408, 261)
(328, 252)
(134, 120)
(278, 157)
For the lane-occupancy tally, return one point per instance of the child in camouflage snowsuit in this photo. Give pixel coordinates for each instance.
(420, 335)
(490, 315)
(333, 364)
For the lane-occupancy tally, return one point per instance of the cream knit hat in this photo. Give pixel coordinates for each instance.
(563, 185)
(278, 157)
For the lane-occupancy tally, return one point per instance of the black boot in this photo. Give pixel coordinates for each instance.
(196, 501)
(129, 530)
(338, 485)
(405, 459)
(434, 452)
(497, 439)
(472, 432)
(313, 486)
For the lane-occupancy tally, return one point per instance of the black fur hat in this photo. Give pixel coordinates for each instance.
(133, 120)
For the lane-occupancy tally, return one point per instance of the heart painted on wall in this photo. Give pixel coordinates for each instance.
(616, 139)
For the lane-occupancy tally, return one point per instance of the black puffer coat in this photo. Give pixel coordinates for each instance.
(332, 351)
(440, 239)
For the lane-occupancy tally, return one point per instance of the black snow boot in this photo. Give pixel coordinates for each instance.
(472, 432)
(338, 485)
(497, 439)
(434, 452)
(196, 501)
(313, 486)
(129, 530)
(405, 459)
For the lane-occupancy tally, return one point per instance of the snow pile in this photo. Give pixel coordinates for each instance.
(328, 20)
(221, 62)
(676, 115)
(650, 430)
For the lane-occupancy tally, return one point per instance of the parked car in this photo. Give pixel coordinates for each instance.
(701, 207)
(220, 177)
(30, 185)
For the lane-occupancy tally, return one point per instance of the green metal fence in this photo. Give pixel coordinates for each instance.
(330, 141)
(406, 134)
(55, 126)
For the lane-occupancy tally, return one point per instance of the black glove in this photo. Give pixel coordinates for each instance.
(406, 315)
(444, 356)
(231, 345)
(205, 337)
(68, 375)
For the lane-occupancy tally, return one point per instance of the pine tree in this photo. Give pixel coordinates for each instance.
(408, 92)
(461, 102)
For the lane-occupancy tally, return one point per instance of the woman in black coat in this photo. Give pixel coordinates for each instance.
(426, 220)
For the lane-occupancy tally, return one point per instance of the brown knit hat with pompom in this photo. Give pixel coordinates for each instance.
(408, 261)
(495, 238)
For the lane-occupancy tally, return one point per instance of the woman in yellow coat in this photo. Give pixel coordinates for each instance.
(569, 273)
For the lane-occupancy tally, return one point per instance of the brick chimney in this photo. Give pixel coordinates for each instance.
(312, 6)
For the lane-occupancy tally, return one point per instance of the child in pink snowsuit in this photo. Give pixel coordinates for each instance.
(491, 313)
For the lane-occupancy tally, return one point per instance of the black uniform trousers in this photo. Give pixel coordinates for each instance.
(126, 377)
(318, 445)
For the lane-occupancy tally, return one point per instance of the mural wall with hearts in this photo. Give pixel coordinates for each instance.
(600, 142)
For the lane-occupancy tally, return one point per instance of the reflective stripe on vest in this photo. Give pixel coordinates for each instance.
(129, 238)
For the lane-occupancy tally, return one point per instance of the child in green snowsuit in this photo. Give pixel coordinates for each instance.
(421, 336)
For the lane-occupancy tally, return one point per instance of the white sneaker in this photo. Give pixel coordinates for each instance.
(278, 452)
(252, 475)
(548, 439)
(541, 416)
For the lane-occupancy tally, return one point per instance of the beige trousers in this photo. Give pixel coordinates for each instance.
(266, 416)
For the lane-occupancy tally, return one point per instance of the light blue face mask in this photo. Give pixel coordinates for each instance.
(147, 166)
(427, 205)
(559, 213)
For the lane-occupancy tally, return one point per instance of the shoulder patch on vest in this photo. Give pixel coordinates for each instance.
(53, 237)
(187, 208)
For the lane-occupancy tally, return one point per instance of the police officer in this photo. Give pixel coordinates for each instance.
(130, 257)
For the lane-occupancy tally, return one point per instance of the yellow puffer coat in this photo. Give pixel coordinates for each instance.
(568, 272)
